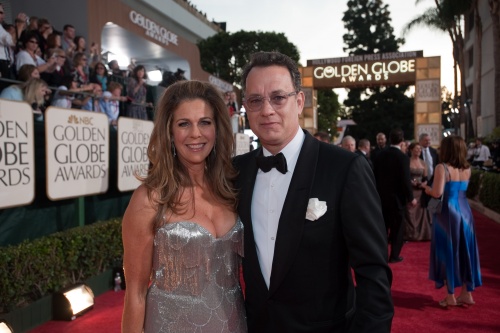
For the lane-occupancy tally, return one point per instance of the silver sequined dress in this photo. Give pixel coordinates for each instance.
(195, 285)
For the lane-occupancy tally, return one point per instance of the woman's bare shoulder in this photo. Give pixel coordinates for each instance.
(141, 201)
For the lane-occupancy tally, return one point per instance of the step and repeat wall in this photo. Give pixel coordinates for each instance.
(77, 153)
(46, 166)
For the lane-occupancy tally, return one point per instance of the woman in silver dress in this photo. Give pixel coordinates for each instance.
(182, 239)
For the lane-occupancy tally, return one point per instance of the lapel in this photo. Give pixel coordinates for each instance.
(248, 173)
(293, 214)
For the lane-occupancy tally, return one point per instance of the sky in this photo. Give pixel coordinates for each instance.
(316, 27)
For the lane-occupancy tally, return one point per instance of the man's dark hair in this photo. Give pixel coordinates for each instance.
(363, 143)
(66, 26)
(322, 136)
(396, 136)
(266, 59)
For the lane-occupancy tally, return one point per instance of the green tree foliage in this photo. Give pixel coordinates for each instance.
(225, 54)
(376, 109)
(448, 16)
(328, 110)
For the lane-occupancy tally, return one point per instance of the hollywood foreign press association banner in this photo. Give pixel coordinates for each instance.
(17, 163)
(133, 161)
(77, 153)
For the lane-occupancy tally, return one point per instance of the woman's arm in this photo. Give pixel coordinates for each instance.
(138, 236)
(438, 184)
(48, 66)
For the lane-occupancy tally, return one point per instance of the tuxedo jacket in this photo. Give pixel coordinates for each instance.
(311, 287)
(392, 172)
(374, 153)
(359, 152)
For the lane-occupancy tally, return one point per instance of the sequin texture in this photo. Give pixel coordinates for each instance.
(195, 285)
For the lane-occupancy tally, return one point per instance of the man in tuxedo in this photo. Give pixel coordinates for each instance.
(381, 145)
(392, 172)
(311, 213)
(364, 150)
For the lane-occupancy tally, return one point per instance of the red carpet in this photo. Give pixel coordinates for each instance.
(415, 297)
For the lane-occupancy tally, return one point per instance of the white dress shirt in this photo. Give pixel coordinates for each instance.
(482, 153)
(428, 160)
(6, 44)
(267, 202)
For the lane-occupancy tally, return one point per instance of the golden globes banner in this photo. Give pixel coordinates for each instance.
(133, 161)
(77, 153)
(17, 166)
(242, 143)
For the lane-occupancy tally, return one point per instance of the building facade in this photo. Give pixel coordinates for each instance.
(479, 74)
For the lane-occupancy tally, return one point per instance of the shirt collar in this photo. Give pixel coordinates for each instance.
(291, 150)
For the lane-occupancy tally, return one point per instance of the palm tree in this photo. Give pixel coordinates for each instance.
(448, 16)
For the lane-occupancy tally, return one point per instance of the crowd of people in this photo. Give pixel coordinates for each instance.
(410, 174)
(303, 217)
(46, 67)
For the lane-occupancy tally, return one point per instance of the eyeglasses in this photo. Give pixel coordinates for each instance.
(33, 41)
(277, 101)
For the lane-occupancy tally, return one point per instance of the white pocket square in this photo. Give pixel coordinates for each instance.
(315, 209)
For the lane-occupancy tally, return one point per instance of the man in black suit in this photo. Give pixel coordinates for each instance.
(381, 145)
(311, 213)
(392, 172)
(431, 159)
(364, 150)
(429, 155)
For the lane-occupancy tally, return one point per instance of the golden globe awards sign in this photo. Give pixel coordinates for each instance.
(133, 161)
(17, 166)
(242, 143)
(77, 153)
(365, 70)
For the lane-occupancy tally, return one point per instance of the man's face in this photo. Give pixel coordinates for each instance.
(276, 125)
(425, 141)
(44, 27)
(2, 14)
(70, 32)
(366, 148)
(381, 140)
(349, 145)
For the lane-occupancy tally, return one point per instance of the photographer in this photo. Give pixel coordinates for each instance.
(481, 153)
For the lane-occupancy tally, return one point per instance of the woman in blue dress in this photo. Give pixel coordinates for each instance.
(454, 258)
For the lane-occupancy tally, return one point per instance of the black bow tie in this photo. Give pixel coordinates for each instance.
(266, 163)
